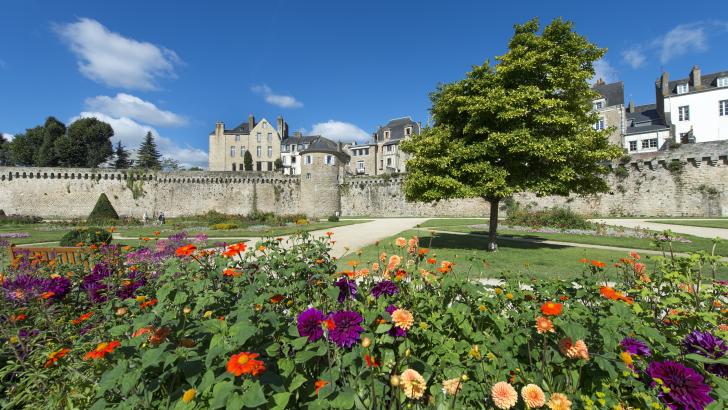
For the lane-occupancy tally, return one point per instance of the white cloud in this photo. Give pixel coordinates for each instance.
(681, 40)
(131, 134)
(339, 131)
(115, 60)
(7, 136)
(635, 57)
(603, 70)
(125, 105)
(283, 101)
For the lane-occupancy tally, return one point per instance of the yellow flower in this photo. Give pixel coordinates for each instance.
(189, 395)
(141, 298)
(626, 358)
(207, 314)
(498, 291)
(559, 402)
(509, 295)
(413, 384)
(482, 308)
(475, 352)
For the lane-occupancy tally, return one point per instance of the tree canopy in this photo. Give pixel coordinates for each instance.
(148, 155)
(4, 150)
(122, 158)
(523, 124)
(248, 160)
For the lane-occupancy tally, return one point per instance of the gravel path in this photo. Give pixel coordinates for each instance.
(645, 223)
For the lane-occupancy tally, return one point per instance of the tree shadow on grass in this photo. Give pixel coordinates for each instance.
(441, 240)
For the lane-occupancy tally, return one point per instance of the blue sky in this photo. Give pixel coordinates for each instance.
(339, 68)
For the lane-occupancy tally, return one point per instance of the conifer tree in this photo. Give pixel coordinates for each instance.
(148, 155)
(248, 161)
(122, 160)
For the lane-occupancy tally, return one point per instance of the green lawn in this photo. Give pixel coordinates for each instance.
(38, 233)
(463, 225)
(471, 257)
(705, 223)
(166, 230)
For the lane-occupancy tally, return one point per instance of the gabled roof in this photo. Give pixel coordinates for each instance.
(612, 92)
(396, 128)
(645, 118)
(708, 81)
(321, 144)
(243, 128)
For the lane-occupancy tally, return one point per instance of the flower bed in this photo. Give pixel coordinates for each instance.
(276, 326)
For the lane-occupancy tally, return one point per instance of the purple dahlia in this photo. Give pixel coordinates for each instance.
(309, 324)
(634, 346)
(347, 289)
(26, 286)
(95, 282)
(708, 345)
(687, 391)
(385, 287)
(395, 331)
(347, 328)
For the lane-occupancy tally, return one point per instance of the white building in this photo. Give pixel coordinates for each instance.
(293, 146)
(695, 108)
(646, 130)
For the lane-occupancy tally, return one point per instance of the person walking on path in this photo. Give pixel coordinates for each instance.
(161, 218)
(145, 218)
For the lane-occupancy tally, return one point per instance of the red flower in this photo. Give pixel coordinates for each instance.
(329, 234)
(55, 356)
(142, 331)
(608, 293)
(319, 385)
(551, 308)
(371, 362)
(277, 298)
(47, 295)
(82, 318)
(584, 260)
(235, 249)
(432, 261)
(186, 250)
(245, 363)
(102, 350)
(330, 324)
(563, 298)
(231, 272)
(148, 303)
(598, 264)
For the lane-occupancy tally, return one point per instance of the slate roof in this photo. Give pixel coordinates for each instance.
(707, 80)
(612, 92)
(298, 140)
(321, 144)
(243, 128)
(396, 128)
(645, 118)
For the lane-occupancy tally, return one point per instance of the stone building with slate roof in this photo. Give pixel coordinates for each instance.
(227, 147)
(294, 149)
(610, 108)
(383, 154)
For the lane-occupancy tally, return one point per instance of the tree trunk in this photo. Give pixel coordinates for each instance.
(493, 227)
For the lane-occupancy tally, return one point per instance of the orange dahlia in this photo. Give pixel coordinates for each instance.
(544, 325)
(186, 250)
(552, 308)
(559, 401)
(402, 318)
(55, 356)
(231, 272)
(533, 396)
(101, 350)
(413, 384)
(245, 363)
(82, 318)
(504, 395)
(189, 395)
(235, 249)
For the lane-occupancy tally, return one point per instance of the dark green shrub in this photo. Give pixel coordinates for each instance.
(334, 218)
(103, 211)
(19, 219)
(561, 218)
(86, 236)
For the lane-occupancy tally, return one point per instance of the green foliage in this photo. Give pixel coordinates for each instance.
(86, 236)
(184, 319)
(148, 156)
(122, 158)
(103, 211)
(248, 161)
(562, 218)
(4, 151)
(18, 219)
(277, 164)
(36, 147)
(93, 137)
(223, 226)
(333, 218)
(524, 124)
(621, 172)
(170, 164)
(676, 168)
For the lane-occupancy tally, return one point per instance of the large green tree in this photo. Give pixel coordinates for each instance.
(94, 137)
(35, 147)
(122, 157)
(523, 124)
(4, 150)
(148, 155)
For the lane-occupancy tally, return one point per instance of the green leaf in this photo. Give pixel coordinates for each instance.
(297, 382)
(241, 332)
(152, 357)
(281, 400)
(344, 400)
(299, 343)
(254, 396)
(220, 393)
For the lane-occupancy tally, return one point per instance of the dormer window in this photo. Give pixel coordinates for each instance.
(722, 82)
(598, 105)
(407, 131)
(386, 135)
(682, 88)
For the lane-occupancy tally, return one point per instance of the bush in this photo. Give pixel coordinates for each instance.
(103, 211)
(302, 221)
(19, 219)
(223, 226)
(562, 218)
(86, 236)
(333, 218)
(170, 333)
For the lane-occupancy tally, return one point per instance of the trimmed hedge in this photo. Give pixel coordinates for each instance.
(86, 236)
(103, 211)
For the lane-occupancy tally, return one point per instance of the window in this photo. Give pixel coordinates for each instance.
(360, 165)
(233, 166)
(308, 175)
(633, 145)
(599, 125)
(389, 148)
(386, 135)
(258, 151)
(232, 151)
(305, 146)
(286, 160)
(389, 162)
(408, 131)
(684, 137)
(329, 160)
(649, 143)
(381, 163)
(684, 113)
(257, 137)
(270, 137)
(682, 88)
(270, 152)
(723, 108)
(722, 82)
(293, 160)
(366, 151)
(307, 160)
(242, 150)
(599, 105)
(237, 138)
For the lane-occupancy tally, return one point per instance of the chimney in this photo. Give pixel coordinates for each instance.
(600, 81)
(695, 77)
(285, 129)
(251, 121)
(219, 128)
(297, 134)
(631, 106)
(665, 83)
(280, 126)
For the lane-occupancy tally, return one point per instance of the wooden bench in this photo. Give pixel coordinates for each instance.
(61, 254)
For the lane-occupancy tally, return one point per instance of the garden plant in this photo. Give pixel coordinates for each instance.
(186, 325)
